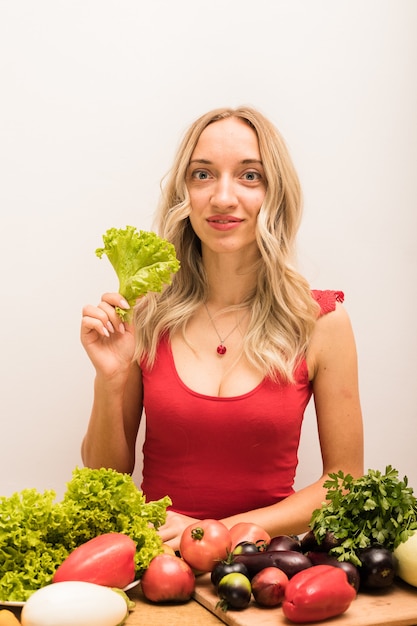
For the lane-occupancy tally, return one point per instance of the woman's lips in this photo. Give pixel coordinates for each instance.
(224, 222)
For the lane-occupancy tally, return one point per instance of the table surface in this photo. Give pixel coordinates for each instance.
(171, 614)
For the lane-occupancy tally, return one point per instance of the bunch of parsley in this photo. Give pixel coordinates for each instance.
(373, 509)
(37, 533)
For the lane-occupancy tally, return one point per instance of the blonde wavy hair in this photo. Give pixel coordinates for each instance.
(282, 310)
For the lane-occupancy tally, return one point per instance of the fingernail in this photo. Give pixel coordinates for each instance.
(110, 326)
(106, 332)
(124, 304)
(122, 328)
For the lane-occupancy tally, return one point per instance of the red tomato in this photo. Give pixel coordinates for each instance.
(203, 544)
(245, 531)
(268, 586)
(168, 579)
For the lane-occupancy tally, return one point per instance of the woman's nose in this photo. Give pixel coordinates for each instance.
(224, 193)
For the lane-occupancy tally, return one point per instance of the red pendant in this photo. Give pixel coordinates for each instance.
(221, 349)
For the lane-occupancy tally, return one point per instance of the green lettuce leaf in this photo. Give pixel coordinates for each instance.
(37, 533)
(28, 522)
(142, 261)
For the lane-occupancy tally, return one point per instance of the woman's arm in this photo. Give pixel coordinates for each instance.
(110, 440)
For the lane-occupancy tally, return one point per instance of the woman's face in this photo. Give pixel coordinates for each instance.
(226, 184)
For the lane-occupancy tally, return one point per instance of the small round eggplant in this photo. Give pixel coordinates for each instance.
(352, 572)
(309, 542)
(378, 567)
(284, 542)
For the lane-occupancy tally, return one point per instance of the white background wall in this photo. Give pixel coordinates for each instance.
(95, 95)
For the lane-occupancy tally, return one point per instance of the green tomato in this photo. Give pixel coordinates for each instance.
(234, 591)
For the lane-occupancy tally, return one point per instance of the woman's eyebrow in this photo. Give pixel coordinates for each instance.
(242, 162)
(248, 161)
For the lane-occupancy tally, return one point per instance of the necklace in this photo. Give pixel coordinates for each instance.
(221, 348)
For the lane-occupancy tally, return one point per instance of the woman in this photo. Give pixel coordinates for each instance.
(225, 360)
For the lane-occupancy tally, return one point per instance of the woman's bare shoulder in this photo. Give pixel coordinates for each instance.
(331, 338)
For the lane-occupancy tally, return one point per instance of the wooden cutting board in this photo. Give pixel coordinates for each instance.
(394, 607)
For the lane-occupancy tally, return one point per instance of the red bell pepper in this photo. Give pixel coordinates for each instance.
(317, 593)
(107, 559)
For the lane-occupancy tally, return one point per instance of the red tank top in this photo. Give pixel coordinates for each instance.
(216, 457)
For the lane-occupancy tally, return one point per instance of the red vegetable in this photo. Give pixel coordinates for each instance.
(246, 531)
(203, 544)
(107, 559)
(268, 586)
(317, 593)
(168, 579)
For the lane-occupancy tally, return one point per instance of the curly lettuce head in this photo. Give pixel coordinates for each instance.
(142, 260)
(37, 533)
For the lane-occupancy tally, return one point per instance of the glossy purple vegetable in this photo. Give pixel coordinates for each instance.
(289, 561)
(378, 569)
(284, 542)
(352, 572)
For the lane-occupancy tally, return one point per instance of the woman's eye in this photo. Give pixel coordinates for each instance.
(252, 176)
(200, 175)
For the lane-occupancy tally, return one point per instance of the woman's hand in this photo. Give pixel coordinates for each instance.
(171, 531)
(109, 342)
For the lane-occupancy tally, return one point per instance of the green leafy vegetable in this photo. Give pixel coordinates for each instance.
(375, 508)
(37, 533)
(143, 262)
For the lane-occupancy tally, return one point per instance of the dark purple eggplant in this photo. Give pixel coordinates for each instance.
(289, 561)
(378, 567)
(352, 572)
(284, 542)
(309, 542)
